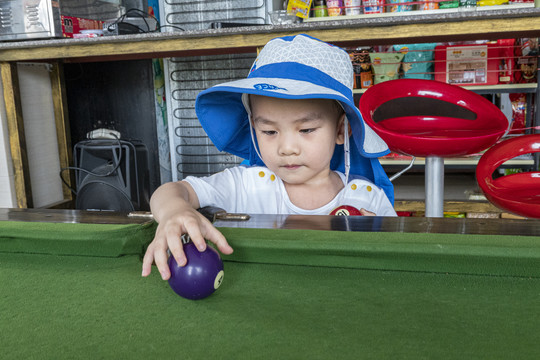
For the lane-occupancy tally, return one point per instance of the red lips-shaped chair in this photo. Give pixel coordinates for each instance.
(433, 120)
(516, 193)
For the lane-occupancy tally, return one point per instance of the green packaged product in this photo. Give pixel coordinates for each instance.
(417, 60)
(449, 4)
(467, 3)
(386, 66)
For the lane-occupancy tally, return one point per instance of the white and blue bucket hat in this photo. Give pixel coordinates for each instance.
(294, 67)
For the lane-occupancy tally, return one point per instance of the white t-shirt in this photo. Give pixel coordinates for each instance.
(257, 190)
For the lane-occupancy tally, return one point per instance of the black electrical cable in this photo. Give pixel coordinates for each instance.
(73, 191)
(143, 15)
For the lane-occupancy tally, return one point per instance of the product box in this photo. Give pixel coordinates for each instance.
(73, 25)
(467, 64)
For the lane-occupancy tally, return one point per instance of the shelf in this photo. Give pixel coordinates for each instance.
(429, 27)
(453, 206)
(503, 88)
(422, 12)
(454, 162)
(489, 89)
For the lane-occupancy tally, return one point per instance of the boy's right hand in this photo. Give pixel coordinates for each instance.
(168, 236)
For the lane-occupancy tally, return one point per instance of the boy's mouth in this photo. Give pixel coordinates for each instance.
(291, 167)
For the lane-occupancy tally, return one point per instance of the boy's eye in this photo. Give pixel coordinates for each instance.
(307, 131)
(269, 132)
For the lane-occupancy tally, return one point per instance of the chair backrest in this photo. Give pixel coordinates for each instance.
(518, 193)
(430, 118)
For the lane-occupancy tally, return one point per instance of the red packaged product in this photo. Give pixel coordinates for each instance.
(527, 60)
(507, 62)
(519, 107)
(73, 25)
(469, 64)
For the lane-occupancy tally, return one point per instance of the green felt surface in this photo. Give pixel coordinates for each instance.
(74, 238)
(446, 253)
(287, 294)
(57, 307)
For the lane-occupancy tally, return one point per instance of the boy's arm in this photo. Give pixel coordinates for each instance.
(173, 206)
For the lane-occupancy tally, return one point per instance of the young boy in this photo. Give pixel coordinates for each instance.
(291, 120)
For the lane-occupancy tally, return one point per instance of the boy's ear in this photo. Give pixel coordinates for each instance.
(340, 136)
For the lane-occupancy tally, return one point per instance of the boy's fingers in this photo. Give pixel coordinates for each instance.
(215, 236)
(174, 243)
(204, 230)
(366, 212)
(147, 263)
(161, 258)
(177, 250)
(198, 229)
(194, 231)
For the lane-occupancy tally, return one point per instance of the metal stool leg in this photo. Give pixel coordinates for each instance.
(434, 181)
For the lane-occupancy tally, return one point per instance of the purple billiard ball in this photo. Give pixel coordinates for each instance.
(200, 277)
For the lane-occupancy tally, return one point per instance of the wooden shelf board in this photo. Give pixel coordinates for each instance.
(450, 206)
(529, 88)
(409, 29)
(454, 161)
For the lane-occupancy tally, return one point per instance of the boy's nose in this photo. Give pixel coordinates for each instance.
(288, 146)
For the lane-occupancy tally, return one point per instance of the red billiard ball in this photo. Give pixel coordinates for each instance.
(346, 210)
(200, 277)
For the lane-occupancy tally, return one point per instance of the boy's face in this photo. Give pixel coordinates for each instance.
(297, 137)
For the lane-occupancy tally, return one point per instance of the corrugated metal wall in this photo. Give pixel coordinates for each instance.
(195, 154)
(192, 153)
(198, 15)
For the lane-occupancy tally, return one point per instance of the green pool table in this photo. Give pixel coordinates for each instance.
(295, 288)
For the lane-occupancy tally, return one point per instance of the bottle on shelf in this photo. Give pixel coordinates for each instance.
(319, 8)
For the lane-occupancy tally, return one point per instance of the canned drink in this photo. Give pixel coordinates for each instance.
(373, 6)
(353, 7)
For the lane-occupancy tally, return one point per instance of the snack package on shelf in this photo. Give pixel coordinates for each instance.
(417, 60)
(299, 7)
(507, 61)
(386, 66)
(467, 64)
(399, 5)
(363, 71)
(449, 4)
(335, 7)
(527, 60)
(467, 4)
(454, 214)
(430, 5)
(519, 108)
(491, 2)
(74, 25)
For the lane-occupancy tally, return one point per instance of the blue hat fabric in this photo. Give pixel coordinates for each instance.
(293, 67)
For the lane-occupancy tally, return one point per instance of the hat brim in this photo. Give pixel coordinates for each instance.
(224, 118)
